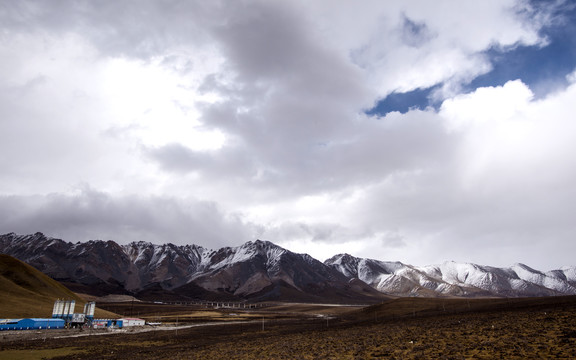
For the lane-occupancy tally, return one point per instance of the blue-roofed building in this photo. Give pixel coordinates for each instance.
(31, 324)
(115, 323)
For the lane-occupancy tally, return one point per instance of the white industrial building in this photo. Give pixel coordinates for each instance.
(132, 322)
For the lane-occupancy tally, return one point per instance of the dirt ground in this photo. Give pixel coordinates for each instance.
(541, 329)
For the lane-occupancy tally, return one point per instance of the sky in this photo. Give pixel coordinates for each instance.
(411, 131)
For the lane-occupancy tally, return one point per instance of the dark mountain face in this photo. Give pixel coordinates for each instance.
(261, 270)
(257, 270)
(94, 263)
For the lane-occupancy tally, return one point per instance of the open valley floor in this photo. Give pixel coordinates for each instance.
(405, 328)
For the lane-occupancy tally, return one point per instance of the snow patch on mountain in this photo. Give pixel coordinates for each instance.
(258, 266)
(455, 279)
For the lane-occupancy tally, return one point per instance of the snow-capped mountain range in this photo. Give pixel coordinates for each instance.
(456, 279)
(261, 270)
(258, 270)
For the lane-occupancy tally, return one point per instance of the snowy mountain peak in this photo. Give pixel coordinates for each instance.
(524, 267)
(343, 259)
(344, 263)
(257, 265)
(261, 246)
(453, 278)
(368, 270)
(266, 243)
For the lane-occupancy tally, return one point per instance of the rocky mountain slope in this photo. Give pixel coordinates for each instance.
(261, 270)
(256, 270)
(455, 279)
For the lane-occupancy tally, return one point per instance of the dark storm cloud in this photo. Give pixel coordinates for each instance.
(379, 148)
(90, 214)
(287, 88)
(296, 110)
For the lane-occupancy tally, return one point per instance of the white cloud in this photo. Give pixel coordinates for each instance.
(251, 115)
(156, 105)
(508, 186)
(503, 191)
(451, 38)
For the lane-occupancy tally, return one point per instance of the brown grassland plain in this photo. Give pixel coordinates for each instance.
(407, 328)
(26, 292)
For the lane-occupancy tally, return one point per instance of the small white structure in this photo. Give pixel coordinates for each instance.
(132, 322)
(78, 318)
(100, 323)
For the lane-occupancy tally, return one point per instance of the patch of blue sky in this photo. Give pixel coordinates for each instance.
(543, 68)
(403, 102)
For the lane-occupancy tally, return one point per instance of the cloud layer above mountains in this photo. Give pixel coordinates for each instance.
(220, 122)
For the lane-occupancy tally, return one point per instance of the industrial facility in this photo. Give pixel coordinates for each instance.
(31, 324)
(126, 322)
(64, 309)
(117, 323)
(63, 316)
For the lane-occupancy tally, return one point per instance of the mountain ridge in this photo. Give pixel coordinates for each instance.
(256, 270)
(262, 270)
(456, 279)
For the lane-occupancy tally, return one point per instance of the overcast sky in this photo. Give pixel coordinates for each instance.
(414, 131)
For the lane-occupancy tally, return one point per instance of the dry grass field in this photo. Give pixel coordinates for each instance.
(26, 292)
(408, 328)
